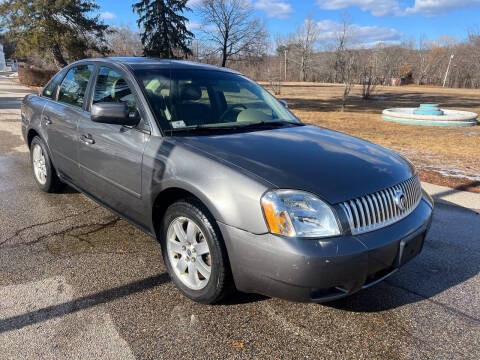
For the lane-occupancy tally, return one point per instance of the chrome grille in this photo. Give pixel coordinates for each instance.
(382, 208)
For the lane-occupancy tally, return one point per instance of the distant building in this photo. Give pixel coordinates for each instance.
(3, 65)
(398, 82)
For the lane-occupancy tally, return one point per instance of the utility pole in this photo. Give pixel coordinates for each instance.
(448, 68)
(285, 53)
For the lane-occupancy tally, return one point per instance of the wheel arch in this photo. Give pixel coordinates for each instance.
(30, 135)
(170, 195)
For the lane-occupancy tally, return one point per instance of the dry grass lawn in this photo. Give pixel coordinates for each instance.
(444, 155)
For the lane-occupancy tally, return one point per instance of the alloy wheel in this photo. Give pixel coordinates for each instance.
(189, 253)
(39, 164)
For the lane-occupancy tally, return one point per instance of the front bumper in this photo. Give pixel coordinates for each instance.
(321, 270)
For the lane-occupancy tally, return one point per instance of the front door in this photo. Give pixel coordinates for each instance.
(110, 156)
(60, 119)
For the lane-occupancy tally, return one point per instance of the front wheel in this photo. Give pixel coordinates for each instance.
(194, 253)
(43, 170)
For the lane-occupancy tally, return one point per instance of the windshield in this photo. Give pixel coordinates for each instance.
(193, 99)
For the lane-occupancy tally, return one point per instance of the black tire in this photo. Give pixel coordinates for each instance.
(220, 283)
(52, 183)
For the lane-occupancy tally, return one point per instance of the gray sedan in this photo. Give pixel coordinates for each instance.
(239, 192)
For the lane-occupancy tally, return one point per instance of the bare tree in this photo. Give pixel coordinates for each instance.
(231, 27)
(123, 41)
(300, 47)
(340, 60)
(471, 53)
(307, 35)
(345, 62)
(421, 63)
(368, 66)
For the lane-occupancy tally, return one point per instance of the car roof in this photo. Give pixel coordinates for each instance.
(140, 63)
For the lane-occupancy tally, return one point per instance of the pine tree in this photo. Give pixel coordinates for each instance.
(164, 33)
(63, 29)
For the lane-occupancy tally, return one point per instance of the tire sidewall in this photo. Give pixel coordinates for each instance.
(47, 187)
(215, 284)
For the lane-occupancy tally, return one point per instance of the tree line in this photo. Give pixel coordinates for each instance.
(421, 62)
(52, 33)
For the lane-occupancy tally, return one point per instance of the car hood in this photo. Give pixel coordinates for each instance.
(335, 166)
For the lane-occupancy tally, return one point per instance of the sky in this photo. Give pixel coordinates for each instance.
(372, 21)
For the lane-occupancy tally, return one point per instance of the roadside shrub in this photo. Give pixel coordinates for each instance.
(33, 76)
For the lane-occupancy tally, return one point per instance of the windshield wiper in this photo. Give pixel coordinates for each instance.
(274, 123)
(238, 126)
(197, 128)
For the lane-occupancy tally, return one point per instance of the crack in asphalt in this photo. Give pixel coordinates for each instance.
(101, 226)
(475, 320)
(20, 231)
(64, 232)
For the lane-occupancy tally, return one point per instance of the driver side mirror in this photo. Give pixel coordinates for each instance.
(283, 102)
(112, 113)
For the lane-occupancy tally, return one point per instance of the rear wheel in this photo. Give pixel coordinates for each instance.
(194, 253)
(43, 170)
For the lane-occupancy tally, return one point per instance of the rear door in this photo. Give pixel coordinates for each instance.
(110, 156)
(60, 118)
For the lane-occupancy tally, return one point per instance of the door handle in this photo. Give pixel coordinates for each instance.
(87, 139)
(46, 120)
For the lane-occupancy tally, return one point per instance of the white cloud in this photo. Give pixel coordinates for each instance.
(274, 8)
(196, 26)
(107, 15)
(280, 9)
(193, 25)
(376, 7)
(440, 7)
(194, 3)
(373, 44)
(393, 7)
(363, 35)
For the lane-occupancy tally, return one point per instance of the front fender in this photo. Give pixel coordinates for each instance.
(232, 197)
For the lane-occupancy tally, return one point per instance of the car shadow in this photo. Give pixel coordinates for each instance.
(238, 298)
(10, 103)
(82, 303)
(67, 189)
(464, 187)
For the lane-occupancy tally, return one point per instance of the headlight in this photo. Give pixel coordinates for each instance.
(298, 213)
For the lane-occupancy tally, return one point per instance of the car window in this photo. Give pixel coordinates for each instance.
(157, 88)
(244, 98)
(192, 98)
(49, 90)
(186, 85)
(110, 86)
(74, 85)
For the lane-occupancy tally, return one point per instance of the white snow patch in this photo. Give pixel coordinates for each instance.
(433, 162)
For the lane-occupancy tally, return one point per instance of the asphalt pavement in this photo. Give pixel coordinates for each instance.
(77, 282)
